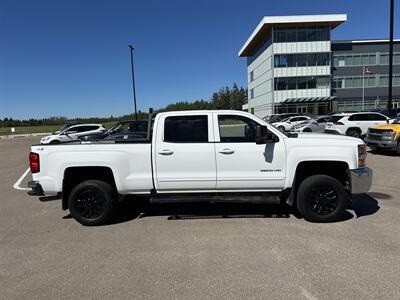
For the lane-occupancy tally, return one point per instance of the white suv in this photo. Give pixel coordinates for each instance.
(288, 123)
(72, 133)
(354, 124)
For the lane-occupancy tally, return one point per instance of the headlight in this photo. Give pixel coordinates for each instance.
(388, 136)
(362, 155)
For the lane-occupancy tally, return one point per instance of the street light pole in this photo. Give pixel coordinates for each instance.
(133, 80)
(390, 94)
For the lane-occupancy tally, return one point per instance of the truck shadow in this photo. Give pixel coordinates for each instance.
(131, 209)
(364, 205)
(383, 152)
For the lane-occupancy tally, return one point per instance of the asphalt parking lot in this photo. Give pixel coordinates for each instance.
(210, 251)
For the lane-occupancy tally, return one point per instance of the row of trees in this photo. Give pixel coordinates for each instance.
(225, 98)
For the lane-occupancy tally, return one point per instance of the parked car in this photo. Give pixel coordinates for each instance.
(384, 136)
(280, 117)
(66, 125)
(205, 155)
(393, 113)
(288, 123)
(72, 133)
(125, 136)
(316, 124)
(354, 124)
(136, 127)
(269, 117)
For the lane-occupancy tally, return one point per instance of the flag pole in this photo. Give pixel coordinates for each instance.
(363, 93)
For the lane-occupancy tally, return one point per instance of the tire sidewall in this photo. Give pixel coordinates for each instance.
(303, 195)
(106, 192)
(356, 135)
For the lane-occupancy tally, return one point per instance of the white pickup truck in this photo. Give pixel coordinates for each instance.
(204, 156)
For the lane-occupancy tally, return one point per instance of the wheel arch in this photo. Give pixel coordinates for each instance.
(304, 169)
(75, 175)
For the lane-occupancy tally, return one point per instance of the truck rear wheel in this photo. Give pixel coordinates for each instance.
(91, 202)
(321, 198)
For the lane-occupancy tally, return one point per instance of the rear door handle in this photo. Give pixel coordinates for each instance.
(166, 152)
(227, 151)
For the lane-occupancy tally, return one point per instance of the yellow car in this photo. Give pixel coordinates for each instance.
(384, 136)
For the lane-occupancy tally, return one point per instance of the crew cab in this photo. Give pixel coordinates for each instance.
(204, 156)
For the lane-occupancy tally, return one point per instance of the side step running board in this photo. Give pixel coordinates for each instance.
(221, 197)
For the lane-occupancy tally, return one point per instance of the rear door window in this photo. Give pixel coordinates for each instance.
(359, 117)
(376, 117)
(186, 129)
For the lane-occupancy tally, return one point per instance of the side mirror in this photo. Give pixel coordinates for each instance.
(264, 136)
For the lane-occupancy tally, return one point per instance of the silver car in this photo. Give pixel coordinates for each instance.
(317, 124)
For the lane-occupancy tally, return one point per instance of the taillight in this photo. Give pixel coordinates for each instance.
(339, 123)
(34, 164)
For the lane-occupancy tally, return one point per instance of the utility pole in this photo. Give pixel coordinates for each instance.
(133, 80)
(390, 94)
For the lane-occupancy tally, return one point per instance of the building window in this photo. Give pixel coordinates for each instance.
(301, 83)
(358, 59)
(384, 80)
(301, 60)
(292, 34)
(251, 76)
(251, 93)
(354, 82)
(384, 58)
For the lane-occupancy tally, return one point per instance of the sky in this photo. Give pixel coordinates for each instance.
(71, 57)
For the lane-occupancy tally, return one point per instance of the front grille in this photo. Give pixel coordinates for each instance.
(377, 137)
(379, 134)
(379, 131)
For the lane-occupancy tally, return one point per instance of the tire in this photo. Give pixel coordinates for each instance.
(55, 142)
(354, 133)
(281, 128)
(92, 202)
(398, 148)
(322, 199)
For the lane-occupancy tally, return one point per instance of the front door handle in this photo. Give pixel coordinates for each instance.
(166, 152)
(227, 151)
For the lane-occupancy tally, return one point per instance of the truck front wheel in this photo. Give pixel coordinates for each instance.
(91, 202)
(321, 198)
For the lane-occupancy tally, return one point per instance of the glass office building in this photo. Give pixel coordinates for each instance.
(293, 66)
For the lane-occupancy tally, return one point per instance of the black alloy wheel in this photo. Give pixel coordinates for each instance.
(92, 202)
(323, 200)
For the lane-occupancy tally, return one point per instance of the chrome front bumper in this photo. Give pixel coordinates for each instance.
(361, 180)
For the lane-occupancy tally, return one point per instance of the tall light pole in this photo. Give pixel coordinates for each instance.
(390, 94)
(133, 80)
